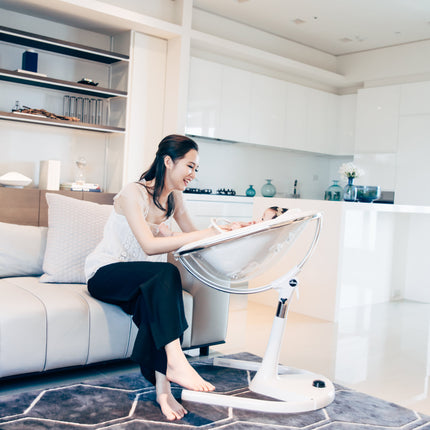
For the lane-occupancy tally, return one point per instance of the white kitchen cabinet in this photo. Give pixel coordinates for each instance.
(233, 104)
(204, 98)
(268, 109)
(412, 172)
(321, 122)
(204, 207)
(377, 119)
(345, 129)
(235, 114)
(415, 98)
(296, 106)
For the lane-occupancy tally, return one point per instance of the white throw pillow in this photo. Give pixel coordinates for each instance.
(22, 248)
(75, 228)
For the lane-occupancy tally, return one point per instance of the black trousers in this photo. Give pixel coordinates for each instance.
(152, 293)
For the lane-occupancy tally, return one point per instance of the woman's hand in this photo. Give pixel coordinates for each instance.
(235, 225)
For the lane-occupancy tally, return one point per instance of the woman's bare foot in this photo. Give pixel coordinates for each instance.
(181, 372)
(185, 375)
(170, 407)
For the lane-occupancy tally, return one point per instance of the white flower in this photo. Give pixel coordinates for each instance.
(350, 170)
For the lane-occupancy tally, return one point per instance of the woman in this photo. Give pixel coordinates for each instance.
(129, 269)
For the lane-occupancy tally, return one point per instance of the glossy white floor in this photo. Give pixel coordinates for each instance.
(382, 350)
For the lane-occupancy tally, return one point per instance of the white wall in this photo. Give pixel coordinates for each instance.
(234, 165)
(23, 147)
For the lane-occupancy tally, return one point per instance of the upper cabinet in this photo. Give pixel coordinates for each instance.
(345, 129)
(267, 111)
(233, 104)
(415, 98)
(236, 104)
(296, 108)
(204, 98)
(321, 122)
(377, 120)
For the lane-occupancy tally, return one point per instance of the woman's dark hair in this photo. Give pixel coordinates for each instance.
(175, 146)
(278, 211)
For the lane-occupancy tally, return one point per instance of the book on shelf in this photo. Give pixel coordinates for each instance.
(75, 186)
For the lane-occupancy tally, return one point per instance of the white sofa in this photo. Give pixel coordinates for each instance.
(48, 321)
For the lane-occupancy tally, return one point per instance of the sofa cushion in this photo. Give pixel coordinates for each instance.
(45, 327)
(75, 228)
(23, 330)
(22, 248)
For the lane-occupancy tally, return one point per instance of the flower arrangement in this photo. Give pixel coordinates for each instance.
(350, 170)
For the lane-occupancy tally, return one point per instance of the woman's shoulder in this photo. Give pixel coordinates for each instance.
(135, 191)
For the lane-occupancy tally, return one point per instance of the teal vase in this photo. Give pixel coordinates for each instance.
(268, 189)
(334, 192)
(350, 191)
(250, 192)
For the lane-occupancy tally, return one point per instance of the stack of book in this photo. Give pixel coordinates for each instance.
(75, 186)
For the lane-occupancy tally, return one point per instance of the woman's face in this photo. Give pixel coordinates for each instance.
(181, 172)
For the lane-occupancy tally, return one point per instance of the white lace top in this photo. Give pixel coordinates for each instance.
(119, 243)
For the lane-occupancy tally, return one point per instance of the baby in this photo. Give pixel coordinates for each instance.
(270, 213)
(273, 212)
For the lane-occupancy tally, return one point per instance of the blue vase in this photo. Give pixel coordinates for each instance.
(334, 192)
(250, 192)
(268, 189)
(350, 191)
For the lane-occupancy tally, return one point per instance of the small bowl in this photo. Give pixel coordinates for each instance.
(14, 180)
(368, 193)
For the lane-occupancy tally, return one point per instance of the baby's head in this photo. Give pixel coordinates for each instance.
(273, 212)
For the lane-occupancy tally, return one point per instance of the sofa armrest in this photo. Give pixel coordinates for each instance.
(210, 315)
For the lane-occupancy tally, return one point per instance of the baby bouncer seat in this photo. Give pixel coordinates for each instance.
(227, 262)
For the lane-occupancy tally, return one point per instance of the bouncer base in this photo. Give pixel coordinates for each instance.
(292, 391)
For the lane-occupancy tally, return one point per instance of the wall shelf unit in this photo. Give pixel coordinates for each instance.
(60, 46)
(58, 84)
(35, 119)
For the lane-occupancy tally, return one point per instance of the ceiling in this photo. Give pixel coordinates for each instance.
(334, 26)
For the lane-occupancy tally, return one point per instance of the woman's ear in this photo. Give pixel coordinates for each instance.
(168, 162)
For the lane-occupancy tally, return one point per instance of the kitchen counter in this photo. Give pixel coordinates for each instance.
(367, 253)
(217, 198)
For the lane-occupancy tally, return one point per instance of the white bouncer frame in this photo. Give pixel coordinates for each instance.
(292, 390)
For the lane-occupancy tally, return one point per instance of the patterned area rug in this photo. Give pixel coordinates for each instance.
(128, 402)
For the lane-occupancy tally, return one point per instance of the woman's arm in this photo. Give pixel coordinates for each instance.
(181, 214)
(150, 244)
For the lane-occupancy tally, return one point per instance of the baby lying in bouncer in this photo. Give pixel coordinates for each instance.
(270, 213)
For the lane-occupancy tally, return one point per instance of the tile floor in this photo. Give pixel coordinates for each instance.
(382, 350)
